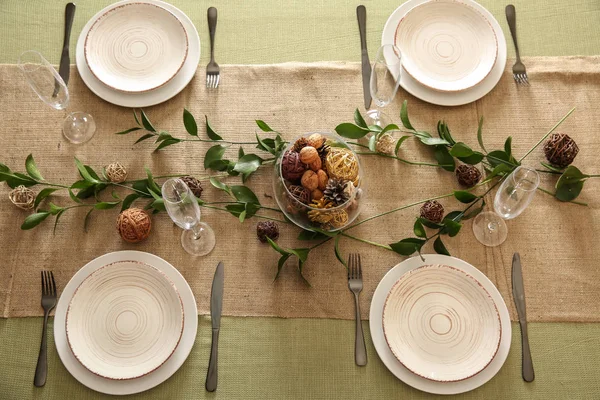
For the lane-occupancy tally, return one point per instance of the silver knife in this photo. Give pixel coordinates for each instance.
(216, 306)
(519, 296)
(361, 15)
(65, 60)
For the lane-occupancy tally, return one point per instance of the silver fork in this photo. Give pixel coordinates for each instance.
(355, 284)
(519, 72)
(212, 69)
(48, 303)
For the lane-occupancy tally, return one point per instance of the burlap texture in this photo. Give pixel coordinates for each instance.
(557, 241)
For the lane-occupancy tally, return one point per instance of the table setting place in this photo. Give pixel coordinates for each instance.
(218, 218)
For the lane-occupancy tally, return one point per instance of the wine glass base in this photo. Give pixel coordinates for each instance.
(490, 229)
(201, 246)
(78, 127)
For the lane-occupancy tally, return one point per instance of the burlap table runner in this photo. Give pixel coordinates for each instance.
(557, 241)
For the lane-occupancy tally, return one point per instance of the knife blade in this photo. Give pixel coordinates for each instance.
(216, 307)
(65, 60)
(518, 290)
(361, 15)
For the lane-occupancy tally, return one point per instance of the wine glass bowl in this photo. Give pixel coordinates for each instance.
(383, 85)
(44, 79)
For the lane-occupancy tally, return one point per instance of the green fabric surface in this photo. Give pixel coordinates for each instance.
(270, 31)
(271, 358)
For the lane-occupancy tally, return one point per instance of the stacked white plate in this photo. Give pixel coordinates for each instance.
(453, 51)
(125, 322)
(138, 53)
(440, 325)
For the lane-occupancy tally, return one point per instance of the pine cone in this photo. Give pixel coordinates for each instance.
(291, 166)
(267, 229)
(335, 191)
(322, 215)
(432, 211)
(323, 150)
(300, 144)
(194, 185)
(468, 175)
(560, 150)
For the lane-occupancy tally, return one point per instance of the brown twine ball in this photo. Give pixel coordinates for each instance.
(432, 211)
(299, 194)
(341, 163)
(116, 172)
(193, 184)
(385, 144)
(468, 175)
(291, 166)
(134, 225)
(22, 197)
(560, 150)
(267, 229)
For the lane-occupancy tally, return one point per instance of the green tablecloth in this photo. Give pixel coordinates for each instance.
(274, 358)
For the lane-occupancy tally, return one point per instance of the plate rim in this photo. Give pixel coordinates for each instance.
(170, 284)
(403, 374)
(129, 386)
(498, 326)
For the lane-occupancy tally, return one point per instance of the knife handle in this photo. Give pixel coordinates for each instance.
(528, 374)
(361, 15)
(69, 16)
(211, 375)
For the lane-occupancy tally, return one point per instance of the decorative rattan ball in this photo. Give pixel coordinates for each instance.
(308, 155)
(310, 180)
(116, 172)
(339, 219)
(316, 140)
(299, 194)
(267, 229)
(341, 163)
(194, 185)
(22, 197)
(385, 144)
(134, 225)
(468, 175)
(432, 211)
(291, 166)
(560, 150)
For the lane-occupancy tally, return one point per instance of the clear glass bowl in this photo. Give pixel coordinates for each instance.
(306, 214)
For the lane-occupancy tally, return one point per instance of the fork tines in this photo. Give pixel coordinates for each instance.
(48, 284)
(521, 79)
(212, 80)
(354, 266)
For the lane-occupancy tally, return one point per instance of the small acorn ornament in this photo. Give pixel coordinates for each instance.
(468, 175)
(194, 185)
(432, 211)
(560, 150)
(267, 229)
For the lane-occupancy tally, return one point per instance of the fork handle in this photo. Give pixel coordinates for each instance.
(360, 350)
(511, 18)
(211, 14)
(41, 370)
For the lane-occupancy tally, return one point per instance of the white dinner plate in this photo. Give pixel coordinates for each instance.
(124, 320)
(136, 47)
(446, 45)
(154, 378)
(152, 97)
(441, 324)
(400, 371)
(433, 96)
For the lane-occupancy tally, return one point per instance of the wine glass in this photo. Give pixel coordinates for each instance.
(513, 197)
(198, 237)
(385, 79)
(78, 127)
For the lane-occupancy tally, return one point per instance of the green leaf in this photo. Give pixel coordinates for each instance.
(351, 131)
(163, 136)
(56, 220)
(42, 195)
(375, 128)
(480, 134)
(85, 174)
(404, 117)
(92, 173)
(190, 123)
(500, 169)
(158, 205)
(359, 120)
(302, 255)
(390, 127)
(141, 187)
(571, 175)
(281, 263)
(144, 137)
(443, 157)
(429, 224)
(266, 145)
(167, 142)
(126, 131)
(32, 169)
(86, 221)
(451, 227)
(419, 229)
(146, 122)
(473, 159)
(210, 132)
(439, 247)
(106, 205)
(460, 149)
(552, 167)
(137, 121)
(373, 143)
(454, 216)
(310, 235)
(127, 201)
(277, 248)
(498, 157)
(569, 191)
(432, 141)
(74, 197)
(4, 168)
(465, 197)
(151, 183)
(54, 209)
(264, 126)
(221, 165)
(241, 152)
(15, 179)
(444, 133)
(406, 247)
(244, 194)
(247, 164)
(399, 143)
(34, 220)
(336, 249)
(507, 146)
(475, 212)
(220, 185)
(242, 216)
(214, 153)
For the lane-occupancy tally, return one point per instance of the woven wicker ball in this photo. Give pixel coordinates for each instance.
(468, 175)
(267, 229)
(134, 225)
(341, 163)
(115, 172)
(560, 150)
(339, 219)
(291, 166)
(194, 185)
(386, 144)
(432, 211)
(22, 197)
(299, 194)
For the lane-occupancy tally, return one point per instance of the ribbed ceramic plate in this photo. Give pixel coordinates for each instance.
(136, 47)
(124, 320)
(441, 323)
(447, 45)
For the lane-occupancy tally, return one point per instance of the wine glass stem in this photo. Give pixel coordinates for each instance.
(197, 230)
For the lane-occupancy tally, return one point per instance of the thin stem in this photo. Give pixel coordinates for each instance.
(553, 195)
(320, 243)
(53, 185)
(130, 188)
(547, 134)
(547, 171)
(400, 159)
(383, 246)
(205, 205)
(215, 141)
